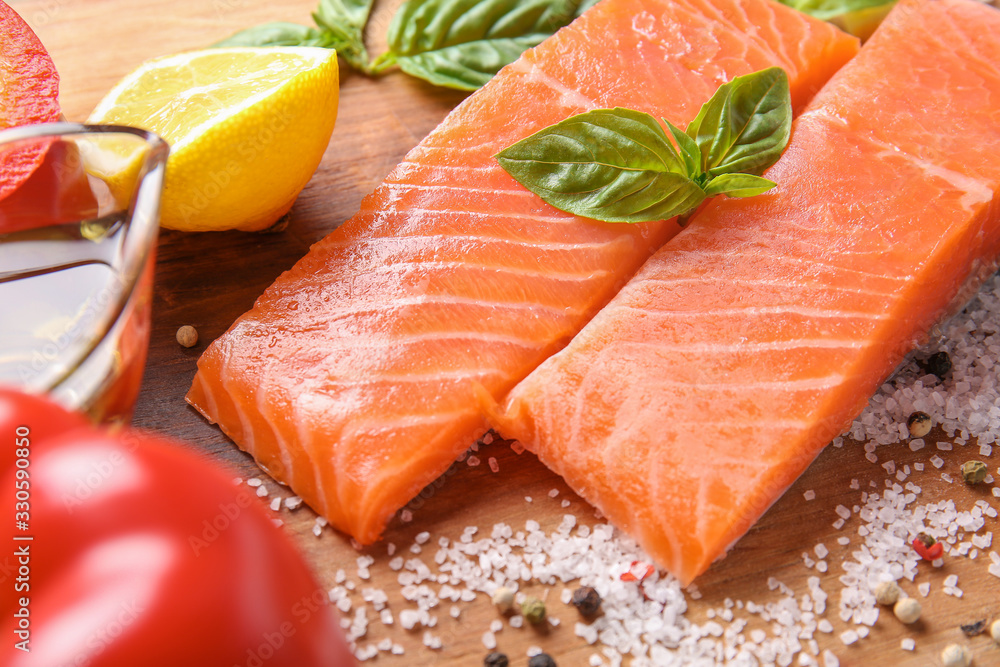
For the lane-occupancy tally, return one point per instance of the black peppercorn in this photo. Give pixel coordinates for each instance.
(541, 660)
(587, 600)
(496, 659)
(938, 364)
(973, 629)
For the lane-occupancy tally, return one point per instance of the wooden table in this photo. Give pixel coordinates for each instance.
(207, 280)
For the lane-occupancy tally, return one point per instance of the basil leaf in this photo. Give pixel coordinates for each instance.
(746, 124)
(615, 165)
(275, 34)
(828, 9)
(738, 185)
(585, 5)
(343, 21)
(463, 43)
(688, 148)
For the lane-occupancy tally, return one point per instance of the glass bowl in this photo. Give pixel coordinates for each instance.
(79, 216)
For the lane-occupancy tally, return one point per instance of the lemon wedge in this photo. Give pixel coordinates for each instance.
(247, 128)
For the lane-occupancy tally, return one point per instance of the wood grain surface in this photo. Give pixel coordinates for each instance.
(209, 279)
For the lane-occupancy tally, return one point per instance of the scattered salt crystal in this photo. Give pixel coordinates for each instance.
(422, 537)
(916, 444)
(809, 495)
(261, 491)
(848, 637)
(553, 493)
(517, 447)
(408, 618)
(829, 659)
(843, 541)
(533, 651)
(527, 499)
(489, 640)
(494, 466)
(919, 467)
(946, 477)
(872, 458)
(455, 611)
(566, 503)
(254, 481)
(944, 446)
(843, 512)
(406, 516)
(937, 461)
(821, 550)
(275, 504)
(488, 438)
(516, 621)
(985, 450)
(317, 530)
(824, 626)
(924, 588)
(472, 461)
(293, 503)
(907, 644)
(838, 524)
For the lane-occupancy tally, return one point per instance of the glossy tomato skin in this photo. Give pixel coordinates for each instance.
(144, 554)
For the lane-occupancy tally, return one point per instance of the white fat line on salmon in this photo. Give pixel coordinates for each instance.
(371, 342)
(809, 263)
(365, 427)
(464, 189)
(406, 266)
(801, 288)
(489, 215)
(746, 346)
(432, 241)
(266, 411)
(434, 377)
(490, 306)
(573, 99)
(826, 382)
(761, 310)
(977, 191)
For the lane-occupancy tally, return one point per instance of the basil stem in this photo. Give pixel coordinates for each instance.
(619, 165)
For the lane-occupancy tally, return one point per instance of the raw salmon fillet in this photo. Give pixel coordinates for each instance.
(354, 378)
(742, 347)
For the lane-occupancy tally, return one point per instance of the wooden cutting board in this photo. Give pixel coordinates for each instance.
(207, 280)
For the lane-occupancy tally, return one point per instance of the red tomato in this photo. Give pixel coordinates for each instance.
(141, 553)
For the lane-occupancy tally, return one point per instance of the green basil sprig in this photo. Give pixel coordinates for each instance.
(463, 43)
(455, 43)
(340, 26)
(829, 9)
(618, 165)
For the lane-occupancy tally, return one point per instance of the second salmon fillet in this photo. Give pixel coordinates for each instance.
(354, 378)
(746, 344)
